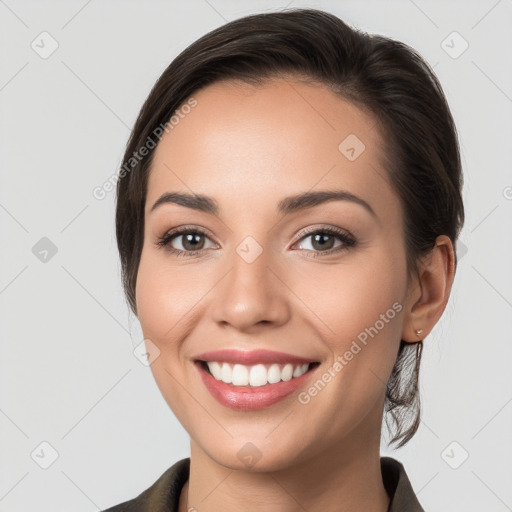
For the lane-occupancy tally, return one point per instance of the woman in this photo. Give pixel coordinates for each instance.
(287, 212)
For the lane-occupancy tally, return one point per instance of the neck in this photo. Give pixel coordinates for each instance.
(342, 478)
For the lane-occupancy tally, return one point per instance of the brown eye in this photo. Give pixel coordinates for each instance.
(191, 241)
(324, 241)
(186, 242)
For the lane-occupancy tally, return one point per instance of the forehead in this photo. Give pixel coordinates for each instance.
(256, 144)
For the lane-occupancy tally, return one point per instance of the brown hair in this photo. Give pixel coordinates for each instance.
(381, 75)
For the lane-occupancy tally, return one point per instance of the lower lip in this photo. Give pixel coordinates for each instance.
(249, 398)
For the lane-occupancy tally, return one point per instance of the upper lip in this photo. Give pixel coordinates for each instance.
(248, 357)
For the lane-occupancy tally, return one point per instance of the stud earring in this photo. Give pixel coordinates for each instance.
(418, 332)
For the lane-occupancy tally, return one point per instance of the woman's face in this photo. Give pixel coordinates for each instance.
(316, 281)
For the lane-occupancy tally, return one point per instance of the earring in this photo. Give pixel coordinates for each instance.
(418, 332)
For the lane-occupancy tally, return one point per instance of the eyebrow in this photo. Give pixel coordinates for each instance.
(286, 206)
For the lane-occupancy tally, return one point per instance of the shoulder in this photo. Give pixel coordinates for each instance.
(163, 495)
(398, 486)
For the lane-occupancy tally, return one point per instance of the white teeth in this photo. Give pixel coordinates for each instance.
(216, 370)
(226, 374)
(257, 375)
(274, 374)
(240, 375)
(300, 370)
(287, 372)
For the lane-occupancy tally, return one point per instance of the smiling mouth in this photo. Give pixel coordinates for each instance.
(256, 375)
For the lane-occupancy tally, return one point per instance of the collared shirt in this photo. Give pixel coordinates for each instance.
(164, 494)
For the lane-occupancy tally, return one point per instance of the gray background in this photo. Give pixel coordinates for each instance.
(68, 374)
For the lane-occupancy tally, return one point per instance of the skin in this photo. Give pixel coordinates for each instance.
(249, 147)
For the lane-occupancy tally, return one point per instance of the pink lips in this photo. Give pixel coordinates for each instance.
(251, 357)
(246, 397)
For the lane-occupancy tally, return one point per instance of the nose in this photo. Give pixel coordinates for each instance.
(251, 294)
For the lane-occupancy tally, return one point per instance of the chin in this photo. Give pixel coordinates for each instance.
(246, 454)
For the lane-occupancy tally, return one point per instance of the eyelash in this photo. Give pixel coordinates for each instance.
(347, 239)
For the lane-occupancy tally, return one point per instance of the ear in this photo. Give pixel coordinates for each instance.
(428, 293)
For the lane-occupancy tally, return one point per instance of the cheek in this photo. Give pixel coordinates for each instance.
(165, 298)
(348, 299)
(359, 311)
(165, 305)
